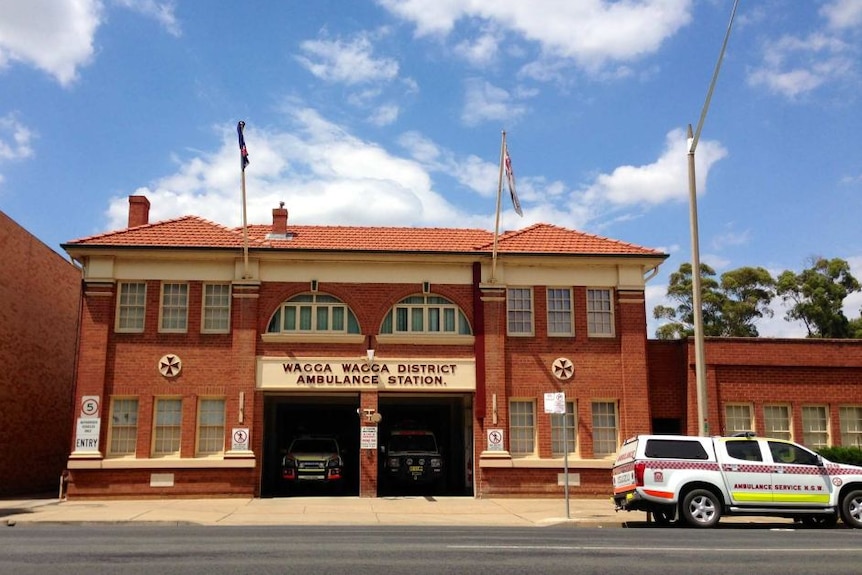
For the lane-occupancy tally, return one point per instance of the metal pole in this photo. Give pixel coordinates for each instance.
(566, 457)
(697, 294)
(497, 220)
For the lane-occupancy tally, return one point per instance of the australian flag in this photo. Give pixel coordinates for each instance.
(243, 152)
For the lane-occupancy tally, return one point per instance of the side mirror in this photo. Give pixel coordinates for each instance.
(819, 460)
(383, 449)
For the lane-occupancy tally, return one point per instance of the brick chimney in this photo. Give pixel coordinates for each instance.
(279, 220)
(139, 211)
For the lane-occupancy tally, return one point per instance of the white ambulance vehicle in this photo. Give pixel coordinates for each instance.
(699, 479)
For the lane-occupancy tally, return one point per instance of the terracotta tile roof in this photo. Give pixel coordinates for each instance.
(187, 231)
(546, 238)
(195, 232)
(376, 238)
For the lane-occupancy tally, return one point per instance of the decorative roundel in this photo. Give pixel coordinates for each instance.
(563, 368)
(170, 365)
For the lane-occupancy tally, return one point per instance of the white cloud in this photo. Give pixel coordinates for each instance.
(161, 12)
(589, 32)
(347, 62)
(484, 102)
(55, 36)
(15, 139)
(481, 51)
(384, 115)
(664, 180)
(794, 66)
(322, 173)
(842, 14)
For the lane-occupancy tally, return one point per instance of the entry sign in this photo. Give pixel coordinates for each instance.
(87, 435)
(555, 402)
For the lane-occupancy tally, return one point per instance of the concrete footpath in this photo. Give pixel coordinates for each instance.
(417, 510)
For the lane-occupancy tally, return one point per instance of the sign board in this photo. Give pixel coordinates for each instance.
(90, 406)
(315, 374)
(87, 435)
(495, 440)
(368, 438)
(555, 402)
(239, 439)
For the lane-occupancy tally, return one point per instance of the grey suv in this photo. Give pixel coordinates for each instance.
(313, 459)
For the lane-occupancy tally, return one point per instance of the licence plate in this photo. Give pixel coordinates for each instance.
(415, 469)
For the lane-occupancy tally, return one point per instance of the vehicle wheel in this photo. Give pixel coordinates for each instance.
(662, 517)
(701, 508)
(851, 509)
(823, 521)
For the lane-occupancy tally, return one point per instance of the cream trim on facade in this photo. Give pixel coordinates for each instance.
(316, 374)
(163, 463)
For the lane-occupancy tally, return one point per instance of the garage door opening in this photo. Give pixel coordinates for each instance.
(303, 437)
(411, 425)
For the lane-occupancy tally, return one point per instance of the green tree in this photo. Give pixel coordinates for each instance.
(817, 295)
(730, 305)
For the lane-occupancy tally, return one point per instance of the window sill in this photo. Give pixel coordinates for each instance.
(176, 463)
(351, 338)
(537, 463)
(425, 339)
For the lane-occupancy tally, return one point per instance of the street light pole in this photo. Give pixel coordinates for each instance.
(697, 294)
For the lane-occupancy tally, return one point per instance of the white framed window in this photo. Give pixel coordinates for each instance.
(605, 430)
(519, 311)
(561, 442)
(738, 418)
(215, 316)
(210, 432)
(426, 314)
(560, 322)
(313, 313)
(124, 426)
(522, 427)
(175, 307)
(131, 307)
(167, 428)
(776, 421)
(815, 426)
(851, 426)
(600, 312)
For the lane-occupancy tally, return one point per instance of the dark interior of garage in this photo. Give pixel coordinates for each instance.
(287, 417)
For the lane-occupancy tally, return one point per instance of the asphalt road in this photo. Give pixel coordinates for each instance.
(96, 549)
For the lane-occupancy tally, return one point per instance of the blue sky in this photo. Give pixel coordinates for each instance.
(390, 112)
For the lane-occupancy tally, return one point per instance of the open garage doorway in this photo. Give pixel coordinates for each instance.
(316, 420)
(450, 419)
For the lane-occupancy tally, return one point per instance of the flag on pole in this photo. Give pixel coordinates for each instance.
(243, 152)
(510, 179)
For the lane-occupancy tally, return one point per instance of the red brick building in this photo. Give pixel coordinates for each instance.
(41, 292)
(205, 350)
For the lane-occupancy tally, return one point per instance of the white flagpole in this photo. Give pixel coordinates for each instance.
(497, 220)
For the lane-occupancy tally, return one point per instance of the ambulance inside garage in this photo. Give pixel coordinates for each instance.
(444, 421)
(304, 417)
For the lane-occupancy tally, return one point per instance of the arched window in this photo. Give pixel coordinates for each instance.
(313, 313)
(426, 315)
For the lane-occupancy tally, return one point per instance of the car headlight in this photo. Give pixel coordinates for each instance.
(289, 462)
(333, 462)
(436, 462)
(393, 462)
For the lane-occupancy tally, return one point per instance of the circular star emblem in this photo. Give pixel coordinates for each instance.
(563, 368)
(170, 365)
